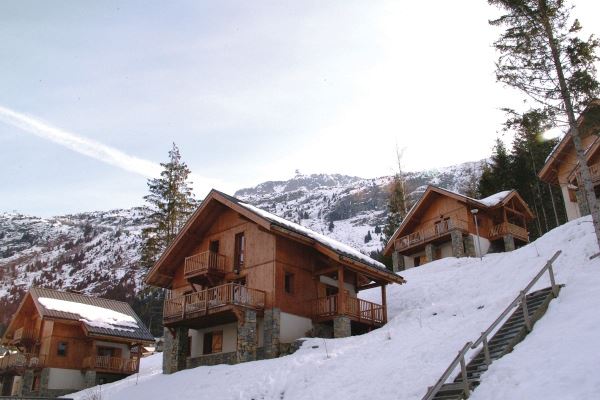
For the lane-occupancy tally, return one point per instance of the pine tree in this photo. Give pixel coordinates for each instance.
(368, 237)
(542, 55)
(497, 174)
(170, 203)
(396, 209)
(331, 226)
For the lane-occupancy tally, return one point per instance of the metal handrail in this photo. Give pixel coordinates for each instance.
(515, 302)
(460, 358)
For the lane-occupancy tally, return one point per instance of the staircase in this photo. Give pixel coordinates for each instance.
(529, 309)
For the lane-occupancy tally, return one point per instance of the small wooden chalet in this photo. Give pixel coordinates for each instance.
(244, 284)
(442, 224)
(562, 167)
(62, 342)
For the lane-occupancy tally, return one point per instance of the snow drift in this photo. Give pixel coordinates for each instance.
(444, 304)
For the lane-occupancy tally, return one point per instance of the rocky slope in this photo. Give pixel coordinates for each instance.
(98, 252)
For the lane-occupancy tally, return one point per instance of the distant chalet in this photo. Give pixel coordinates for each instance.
(244, 284)
(62, 342)
(562, 168)
(441, 224)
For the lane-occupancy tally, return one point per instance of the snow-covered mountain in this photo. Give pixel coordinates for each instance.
(356, 206)
(98, 252)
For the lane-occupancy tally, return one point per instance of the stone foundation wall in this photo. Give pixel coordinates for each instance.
(212, 359)
(458, 248)
(322, 330)
(470, 246)
(271, 333)
(341, 327)
(175, 350)
(247, 337)
(509, 242)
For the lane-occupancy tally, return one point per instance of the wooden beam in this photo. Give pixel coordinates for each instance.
(369, 286)
(384, 302)
(325, 271)
(341, 291)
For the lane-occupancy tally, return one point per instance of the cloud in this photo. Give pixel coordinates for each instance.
(93, 148)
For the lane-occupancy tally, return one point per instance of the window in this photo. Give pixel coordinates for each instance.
(289, 283)
(213, 342)
(62, 349)
(238, 256)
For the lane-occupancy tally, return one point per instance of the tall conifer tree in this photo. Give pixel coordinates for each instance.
(542, 55)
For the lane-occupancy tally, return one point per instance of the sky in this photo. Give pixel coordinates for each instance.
(93, 94)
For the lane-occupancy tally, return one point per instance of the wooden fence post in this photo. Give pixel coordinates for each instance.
(525, 311)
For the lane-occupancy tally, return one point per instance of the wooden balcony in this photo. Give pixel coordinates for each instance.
(206, 267)
(23, 335)
(505, 228)
(112, 364)
(20, 361)
(429, 234)
(359, 310)
(211, 301)
(594, 172)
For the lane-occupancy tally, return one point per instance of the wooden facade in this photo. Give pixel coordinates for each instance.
(52, 355)
(562, 168)
(231, 259)
(442, 224)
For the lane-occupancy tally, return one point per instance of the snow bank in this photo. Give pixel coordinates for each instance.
(92, 315)
(444, 304)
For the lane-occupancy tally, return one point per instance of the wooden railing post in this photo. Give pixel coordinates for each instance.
(184, 303)
(552, 282)
(486, 349)
(463, 370)
(525, 311)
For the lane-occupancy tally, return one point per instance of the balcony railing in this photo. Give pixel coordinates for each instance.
(594, 173)
(22, 334)
(112, 364)
(211, 300)
(205, 262)
(21, 360)
(440, 229)
(357, 309)
(506, 228)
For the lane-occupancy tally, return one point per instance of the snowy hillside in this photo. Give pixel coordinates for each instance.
(444, 304)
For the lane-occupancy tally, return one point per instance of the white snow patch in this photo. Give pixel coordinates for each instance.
(92, 315)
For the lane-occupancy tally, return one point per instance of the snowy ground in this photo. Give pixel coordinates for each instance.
(443, 305)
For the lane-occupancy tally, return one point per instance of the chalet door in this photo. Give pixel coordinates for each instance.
(213, 249)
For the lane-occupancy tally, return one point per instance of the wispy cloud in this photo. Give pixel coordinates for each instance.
(92, 148)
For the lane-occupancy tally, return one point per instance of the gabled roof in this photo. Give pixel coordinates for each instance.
(99, 317)
(588, 122)
(488, 203)
(215, 201)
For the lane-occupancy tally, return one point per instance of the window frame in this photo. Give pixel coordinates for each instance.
(62, 352)
(288, 282)
(239, 251)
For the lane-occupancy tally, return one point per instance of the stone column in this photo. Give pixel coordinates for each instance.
(271, 334)
(397, 261)
(458, 249)
(584, 208)
(44, 380)
(26, 384)
(247, 338)
(90, 378)
(509, 242)
(470, 246)
(341, 326)
(430, 252)
(175, 350)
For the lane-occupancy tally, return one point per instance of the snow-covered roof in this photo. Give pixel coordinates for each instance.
(495, 199)
(100, 316)
(326, 241)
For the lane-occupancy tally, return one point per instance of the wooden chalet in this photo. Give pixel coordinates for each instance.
(442, 224)
(562, 167)
(62, 342)
(244, 284)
